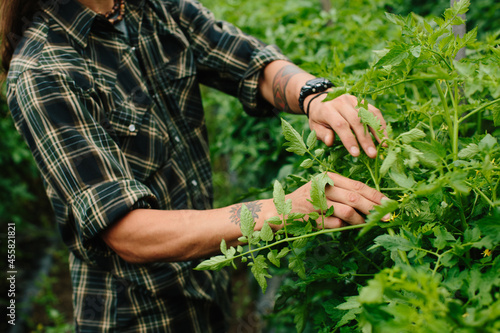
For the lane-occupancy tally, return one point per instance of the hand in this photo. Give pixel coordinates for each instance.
(340, 116)
(349, 198)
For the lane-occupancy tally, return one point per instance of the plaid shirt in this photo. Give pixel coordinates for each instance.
(115, 123)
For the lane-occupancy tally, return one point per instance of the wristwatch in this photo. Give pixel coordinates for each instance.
(312, 87)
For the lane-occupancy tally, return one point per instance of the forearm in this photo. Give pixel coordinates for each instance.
(146, 235)
(280, 83)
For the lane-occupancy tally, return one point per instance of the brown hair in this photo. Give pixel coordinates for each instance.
(16, 15)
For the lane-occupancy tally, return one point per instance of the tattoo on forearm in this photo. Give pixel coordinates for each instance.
(280, 82)
(254, 207)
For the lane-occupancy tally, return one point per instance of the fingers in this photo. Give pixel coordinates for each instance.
(351, 198)
(340, 116)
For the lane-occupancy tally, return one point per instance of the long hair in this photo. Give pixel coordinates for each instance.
(15, 17)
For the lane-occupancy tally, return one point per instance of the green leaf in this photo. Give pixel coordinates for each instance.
(490, 226)
(469, 152)
(223, 246)
(412, 135)
(318, 197)
(307, 163)
(389, 160)
(279, 198)
(311, 140)
(266, 233)
(319, 152)
(442, 238)
(377, 213)
(259, 271)
(274, 220)
(394, 57)
(284, 251)
(369, 119)
(294, 142)
(247, 222)
(272, 256)
(393, 243)
(214, 263)
(296, 264)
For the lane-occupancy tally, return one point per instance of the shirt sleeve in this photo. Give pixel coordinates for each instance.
(78, 159)
(227, 58)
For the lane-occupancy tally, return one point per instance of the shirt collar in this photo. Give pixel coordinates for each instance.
(76, 19)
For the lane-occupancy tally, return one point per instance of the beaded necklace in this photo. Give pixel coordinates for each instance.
(118, 7)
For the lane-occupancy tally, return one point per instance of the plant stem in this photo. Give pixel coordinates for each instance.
(447, 116)
(479, 109)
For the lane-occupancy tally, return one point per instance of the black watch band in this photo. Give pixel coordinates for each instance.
(312, 87)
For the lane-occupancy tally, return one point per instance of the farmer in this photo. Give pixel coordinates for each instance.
(106, 94)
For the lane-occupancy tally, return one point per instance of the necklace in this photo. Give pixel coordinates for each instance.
(118, 7)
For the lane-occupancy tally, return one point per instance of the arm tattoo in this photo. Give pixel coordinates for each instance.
(280, 82)
(254, 207)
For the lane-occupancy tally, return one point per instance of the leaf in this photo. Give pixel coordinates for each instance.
(416, 51)
(266, 233)
(394, 57)
(401, 179)
(247, 222)
(223, 246)
(369, 119)
(393, 243)
(272, 256)
(294, 142)
(296, 264)
(487, 142)
(311, 140)
(389, 160)
(377, 213)
(442, 238)
(469, 152)
(307, 163)
(318, 198)
(490, 226)
(279, 198)
(284, 251)
(214, 263)
(274, 220)
(412, 135)
(259, 271)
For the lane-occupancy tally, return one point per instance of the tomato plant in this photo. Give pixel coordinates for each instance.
(434, 266)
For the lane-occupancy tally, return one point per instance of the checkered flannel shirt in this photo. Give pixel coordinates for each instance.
(115, 123)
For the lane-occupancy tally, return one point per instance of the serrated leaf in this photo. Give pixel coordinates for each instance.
(389, 160)
(394, 57)
(223, 246)
(294, 143)
(284, 251)
(318, 197)
(214, 263)
(334, 93)
(275, 220)
(307, 163)
(296, 264)
(288, 206)
(369, 119)
(266, 233)
(490, 226)
(393, 243)
(279, 198)
(469, 152)
(296, 216)
(247, 222)
(272, 256)
(259, 271)
(319, 152)
(388, 206)
(412, 135)
(311, 140)
(243, 239)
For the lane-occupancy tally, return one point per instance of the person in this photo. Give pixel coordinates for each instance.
(106, 95)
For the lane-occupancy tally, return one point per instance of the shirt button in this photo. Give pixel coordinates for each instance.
(194, 182)
(131, 128)
(177, 139)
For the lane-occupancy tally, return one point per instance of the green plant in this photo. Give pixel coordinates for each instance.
(434, 266)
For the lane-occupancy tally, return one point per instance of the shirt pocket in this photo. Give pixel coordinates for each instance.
(127, 118)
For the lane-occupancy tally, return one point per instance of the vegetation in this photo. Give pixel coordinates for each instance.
(434, 265)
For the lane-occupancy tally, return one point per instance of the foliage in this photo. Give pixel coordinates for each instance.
(434, 265)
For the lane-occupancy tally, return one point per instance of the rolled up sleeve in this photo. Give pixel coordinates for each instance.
(227, 58)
